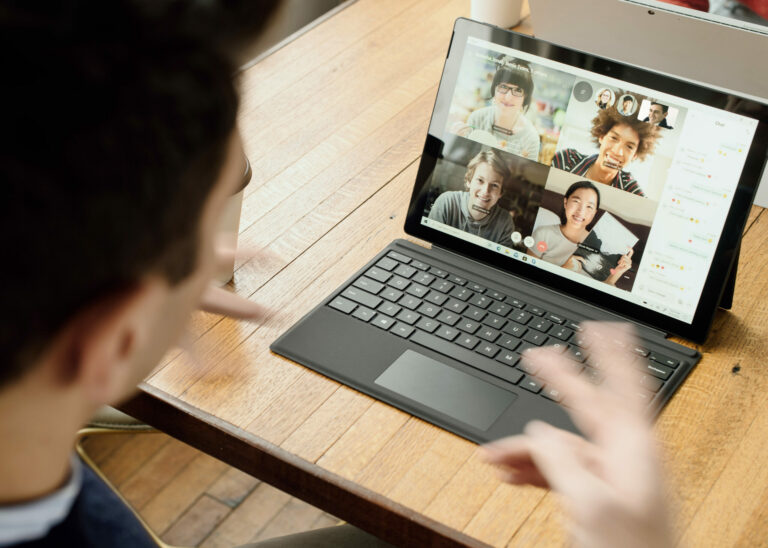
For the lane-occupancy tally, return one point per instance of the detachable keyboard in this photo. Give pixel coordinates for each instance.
(480, 326)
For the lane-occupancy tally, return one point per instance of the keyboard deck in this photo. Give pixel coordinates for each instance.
(480, 326)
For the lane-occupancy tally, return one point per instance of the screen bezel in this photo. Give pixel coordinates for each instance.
(735, 222)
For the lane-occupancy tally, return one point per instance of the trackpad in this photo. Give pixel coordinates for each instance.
(445, 389)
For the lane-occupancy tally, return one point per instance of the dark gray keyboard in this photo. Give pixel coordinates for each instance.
(478, 325)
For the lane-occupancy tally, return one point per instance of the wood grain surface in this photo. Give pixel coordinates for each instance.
(334, 125)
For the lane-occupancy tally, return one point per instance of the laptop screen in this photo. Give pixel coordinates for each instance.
(612, 185)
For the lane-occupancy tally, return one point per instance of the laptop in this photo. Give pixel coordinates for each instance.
(554, 187)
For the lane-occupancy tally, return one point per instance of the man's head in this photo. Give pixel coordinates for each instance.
(118, 153)
(486, 179)
(621, 139)
(657, 112)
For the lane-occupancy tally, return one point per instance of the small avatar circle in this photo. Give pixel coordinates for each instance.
(528, 241)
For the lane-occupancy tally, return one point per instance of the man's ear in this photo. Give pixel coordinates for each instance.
(101, 344)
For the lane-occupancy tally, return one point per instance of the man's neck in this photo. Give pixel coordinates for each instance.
(601, 175)
(37, 445)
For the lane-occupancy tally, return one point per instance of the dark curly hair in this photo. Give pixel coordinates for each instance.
(647, 133)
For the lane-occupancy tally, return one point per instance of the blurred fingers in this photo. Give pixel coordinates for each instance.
(220, 301)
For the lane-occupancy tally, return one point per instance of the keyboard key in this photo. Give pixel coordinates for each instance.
(510, 343)
(458, 280)
(427, 324)
(477, 287)
(540, 324)
(521, 316)
(398, 282)
(378, 274)
(658, 370)
(410, 302)
(536, 310)
(419, 265)
(555, 318)
(573, 325)
(391, 294)
(515, 329)
(557, 346)
(595, 377)
(390, 309)
(424, 278)
(529, 366)
(562, 333)
(363, 313)
(461, 293)
(408, 316)
(447, 333)
(467, 341)
(428, 309)
(371, 286)
(509, 358)
(448, 317)
(405, 271)
(488, 333)
(475, 313)
(492, 320)
(664, 360)
(436, 298)
(578, 354)
(498, 295)
(417, 290)
(361, 297)
(443, 286)
(467, 357)
(387, 264)
(552, 394)
(468, 326)
(535, 338)
(487, 349)
(455, 306)
(517, 303)
(650, 383)
(579, 340)
(402, 330)
(531, 384)
(384, 322)
(502, 309)
(438, 272)
(480, 301)
(525, 345)
(640, 351)
(343, 305)
(399, 257)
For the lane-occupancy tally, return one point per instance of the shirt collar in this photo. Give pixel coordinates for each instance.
(33, 520)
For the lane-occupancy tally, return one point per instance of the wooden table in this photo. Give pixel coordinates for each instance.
(334, 124)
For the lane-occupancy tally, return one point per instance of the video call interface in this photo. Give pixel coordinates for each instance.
(617, 187)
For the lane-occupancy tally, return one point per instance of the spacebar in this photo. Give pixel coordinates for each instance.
(491, 367)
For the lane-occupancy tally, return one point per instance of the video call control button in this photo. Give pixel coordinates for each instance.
(361, 297)
(582, 91)
(516, 237)
(528, 241)
(342, 305)
(399, 257)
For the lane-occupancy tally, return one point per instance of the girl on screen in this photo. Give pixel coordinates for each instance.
(557, 243)
(503, 123)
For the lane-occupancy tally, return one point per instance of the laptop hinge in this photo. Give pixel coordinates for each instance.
(645, 331)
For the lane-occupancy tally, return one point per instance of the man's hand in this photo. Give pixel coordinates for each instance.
(611, 482)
